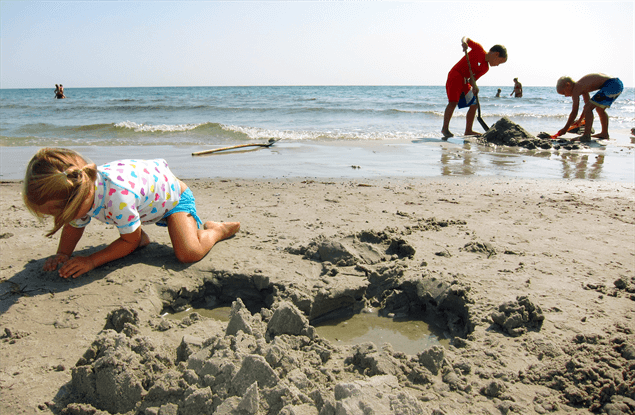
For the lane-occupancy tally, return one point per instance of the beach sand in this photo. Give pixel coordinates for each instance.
(560, 253)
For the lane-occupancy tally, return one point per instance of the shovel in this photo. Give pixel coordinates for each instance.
(478, 105)
(267, 144)
(573, 126)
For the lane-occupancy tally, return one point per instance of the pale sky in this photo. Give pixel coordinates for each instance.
(210, 43)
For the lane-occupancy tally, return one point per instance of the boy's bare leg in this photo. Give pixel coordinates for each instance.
(588, 123)
(192, 244)
(469, 121)
(447, 116)
(604, 121)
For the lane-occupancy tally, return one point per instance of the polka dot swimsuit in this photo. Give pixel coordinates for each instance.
(129, 193)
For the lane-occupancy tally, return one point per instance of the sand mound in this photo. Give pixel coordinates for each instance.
(593, 372)
(272, 362)
(516, 317)
(280, 366)
(505, 132)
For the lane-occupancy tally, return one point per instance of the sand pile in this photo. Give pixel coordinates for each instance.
(273, 362)
(264, 363)
(505, 132)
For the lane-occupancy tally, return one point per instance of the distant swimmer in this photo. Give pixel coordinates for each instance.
(59, 91)
(518, 89)
(498, 94)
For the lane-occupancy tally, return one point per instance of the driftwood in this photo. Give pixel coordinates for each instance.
(215, 150)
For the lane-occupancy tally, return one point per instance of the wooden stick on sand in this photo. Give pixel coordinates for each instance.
(268, 144)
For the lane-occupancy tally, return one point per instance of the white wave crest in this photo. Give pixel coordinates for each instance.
(262, 133)
(156, 128)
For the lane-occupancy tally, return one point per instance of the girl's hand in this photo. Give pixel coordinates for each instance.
(52, 263)
(77, 266)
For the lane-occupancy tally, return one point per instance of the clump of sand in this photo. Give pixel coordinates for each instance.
(273, 362)
(505, 132)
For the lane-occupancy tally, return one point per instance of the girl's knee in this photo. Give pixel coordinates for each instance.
(188, 256)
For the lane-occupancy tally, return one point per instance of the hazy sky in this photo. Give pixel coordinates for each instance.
(209, 43)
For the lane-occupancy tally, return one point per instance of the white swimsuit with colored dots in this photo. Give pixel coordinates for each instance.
(129, 193)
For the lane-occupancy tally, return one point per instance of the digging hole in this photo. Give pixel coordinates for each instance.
(218, 313)
(357, 272)
(407, 335)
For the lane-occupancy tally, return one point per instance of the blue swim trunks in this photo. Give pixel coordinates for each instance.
(467, 100)
(608, 93)
(187, 204)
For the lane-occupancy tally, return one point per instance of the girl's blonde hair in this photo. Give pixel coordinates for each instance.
(62, 175)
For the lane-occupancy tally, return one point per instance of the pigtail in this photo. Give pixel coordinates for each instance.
(58, 175)
(79, 180)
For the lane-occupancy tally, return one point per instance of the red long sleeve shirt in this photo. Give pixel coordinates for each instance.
(477, 61)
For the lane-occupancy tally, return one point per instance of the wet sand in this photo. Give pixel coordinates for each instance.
(610, 160)
(531, 281)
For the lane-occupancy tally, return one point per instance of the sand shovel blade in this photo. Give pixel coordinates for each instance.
(478, 117)
(482, 122)
(272, 141)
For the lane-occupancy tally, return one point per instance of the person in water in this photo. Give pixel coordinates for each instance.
(498, 94)
(59, 91)
(609, 89)
(518, 89)
(461, 85)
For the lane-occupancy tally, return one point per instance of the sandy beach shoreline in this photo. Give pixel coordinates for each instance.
(567, 246)
(425, 157)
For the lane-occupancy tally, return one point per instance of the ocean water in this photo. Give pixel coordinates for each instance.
(119, 121)
(227, 115)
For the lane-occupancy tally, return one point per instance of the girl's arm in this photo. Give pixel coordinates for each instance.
(68, 241)
(121, 247)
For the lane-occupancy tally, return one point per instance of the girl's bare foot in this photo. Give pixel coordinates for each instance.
(144, 241)
(472, 133)
(447, 133)
(223, 230)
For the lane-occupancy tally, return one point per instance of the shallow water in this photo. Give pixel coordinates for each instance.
(362, 160)
(323, 131)
(409, 336)
(218, 313)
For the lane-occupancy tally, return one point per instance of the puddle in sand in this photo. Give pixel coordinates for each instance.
(405, 335)
(218, 313)
(409, 336)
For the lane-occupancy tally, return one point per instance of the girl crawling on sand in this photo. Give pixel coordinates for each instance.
(125, 193)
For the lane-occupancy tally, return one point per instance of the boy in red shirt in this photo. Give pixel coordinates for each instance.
(460, 83)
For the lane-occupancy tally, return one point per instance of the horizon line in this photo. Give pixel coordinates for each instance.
(273, 86)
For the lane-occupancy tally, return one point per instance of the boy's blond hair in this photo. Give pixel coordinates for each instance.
(562, 82)
(62, 175)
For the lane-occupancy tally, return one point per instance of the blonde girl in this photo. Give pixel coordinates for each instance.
(124, 193)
